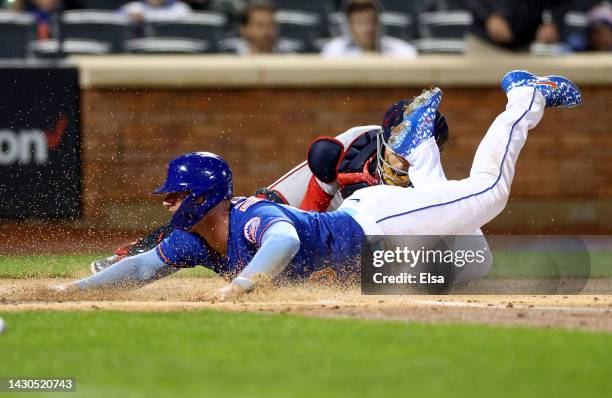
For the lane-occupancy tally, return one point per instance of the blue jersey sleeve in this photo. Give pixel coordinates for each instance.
(280, 243)
(259, 220)
(186, 249)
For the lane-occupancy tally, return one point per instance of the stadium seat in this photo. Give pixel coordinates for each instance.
(166, 45)
(16, 31)
(445, 24)
(319, 9)
(398, 24)
(305, 28)
(206, 26)
(322, 7)
(400, 17)
(441, 46)
(575, 22)
(442, 5)
(443, 31)
(49, 48)
(408, 7)
(287, 46)
(335, 21)
(96, 4)
(102, 26)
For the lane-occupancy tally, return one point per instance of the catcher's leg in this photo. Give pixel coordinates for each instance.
(292, 186)
(456, 207)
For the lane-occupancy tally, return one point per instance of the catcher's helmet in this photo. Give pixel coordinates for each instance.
(207, 178)
(393, 117)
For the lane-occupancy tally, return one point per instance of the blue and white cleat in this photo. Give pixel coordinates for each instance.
(417, 125)
(558, 91)
(517, 78)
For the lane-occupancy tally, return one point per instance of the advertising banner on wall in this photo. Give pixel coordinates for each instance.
(40, 148)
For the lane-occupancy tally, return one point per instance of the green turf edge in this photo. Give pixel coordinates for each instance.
(64, 266)
(208, 353)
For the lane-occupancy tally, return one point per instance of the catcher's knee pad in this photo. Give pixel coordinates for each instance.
(323, 156)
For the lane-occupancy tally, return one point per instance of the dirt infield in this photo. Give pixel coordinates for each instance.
(588, 312)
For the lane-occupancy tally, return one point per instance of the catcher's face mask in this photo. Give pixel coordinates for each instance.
(387, 173)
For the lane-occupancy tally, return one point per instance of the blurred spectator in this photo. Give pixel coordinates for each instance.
(155, 10)
(363, 33)
(43, 10)
(258, 30)
(600, 28)
(548, 32)
(515, 24)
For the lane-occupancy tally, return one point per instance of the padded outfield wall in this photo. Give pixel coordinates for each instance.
(260, 114)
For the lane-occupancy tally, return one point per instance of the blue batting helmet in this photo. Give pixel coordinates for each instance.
(207, 178)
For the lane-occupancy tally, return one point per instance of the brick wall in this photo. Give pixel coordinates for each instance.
(129, 135)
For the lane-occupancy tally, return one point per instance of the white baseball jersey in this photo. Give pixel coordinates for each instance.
(436, 206)
(452, 207)
(445, 207)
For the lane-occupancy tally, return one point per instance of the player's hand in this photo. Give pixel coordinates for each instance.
(58, 291)
(498, 29)
(67, 288)
(547, 33)
(229, 292)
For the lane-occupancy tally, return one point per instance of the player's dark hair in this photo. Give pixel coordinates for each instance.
(256, 5)
(360, 5)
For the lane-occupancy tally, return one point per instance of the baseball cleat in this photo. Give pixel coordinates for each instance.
(417, 125)
(558, 91)
(103, 263)
(517, 78)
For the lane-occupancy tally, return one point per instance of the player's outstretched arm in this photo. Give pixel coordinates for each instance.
(141, 245)
(131, 272)
(279, 244)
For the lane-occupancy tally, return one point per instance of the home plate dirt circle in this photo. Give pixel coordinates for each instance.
(589, 311)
